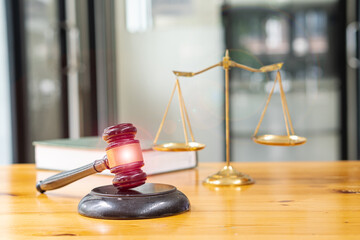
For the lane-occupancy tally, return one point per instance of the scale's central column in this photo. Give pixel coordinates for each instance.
(227, 176)
(226, 67)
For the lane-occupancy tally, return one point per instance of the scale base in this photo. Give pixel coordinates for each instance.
(228, 176)
(151, 200)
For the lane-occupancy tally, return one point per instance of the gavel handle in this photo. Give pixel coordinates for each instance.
(64, 178)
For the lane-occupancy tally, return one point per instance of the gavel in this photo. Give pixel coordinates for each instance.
(123, 157)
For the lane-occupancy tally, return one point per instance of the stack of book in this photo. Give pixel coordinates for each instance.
(67, 154)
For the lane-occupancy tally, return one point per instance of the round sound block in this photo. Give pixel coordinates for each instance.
(151, 200)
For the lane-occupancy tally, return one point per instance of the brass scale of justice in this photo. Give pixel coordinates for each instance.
(228, 176)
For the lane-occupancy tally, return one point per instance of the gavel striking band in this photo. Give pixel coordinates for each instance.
(124, 155)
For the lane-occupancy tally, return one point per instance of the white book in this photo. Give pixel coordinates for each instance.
(67, 154)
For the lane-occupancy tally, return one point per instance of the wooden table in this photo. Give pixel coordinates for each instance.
(300, 200)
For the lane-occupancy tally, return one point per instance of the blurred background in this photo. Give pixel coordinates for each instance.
(71, 68)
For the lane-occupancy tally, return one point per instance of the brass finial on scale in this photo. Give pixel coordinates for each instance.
(228, 176)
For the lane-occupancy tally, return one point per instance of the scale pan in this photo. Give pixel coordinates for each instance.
(279, 140)
(179, 147)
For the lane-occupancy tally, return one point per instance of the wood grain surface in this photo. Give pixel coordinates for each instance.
(298, 200)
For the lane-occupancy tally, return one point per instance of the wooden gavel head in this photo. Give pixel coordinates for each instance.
(124, 156)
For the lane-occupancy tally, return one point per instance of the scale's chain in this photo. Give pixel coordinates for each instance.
(182, 112)
(186, 114)
(265, 108)
(283, 99)
(284, 106)
(164, 117)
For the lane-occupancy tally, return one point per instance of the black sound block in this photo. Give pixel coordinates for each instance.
(151, 200)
